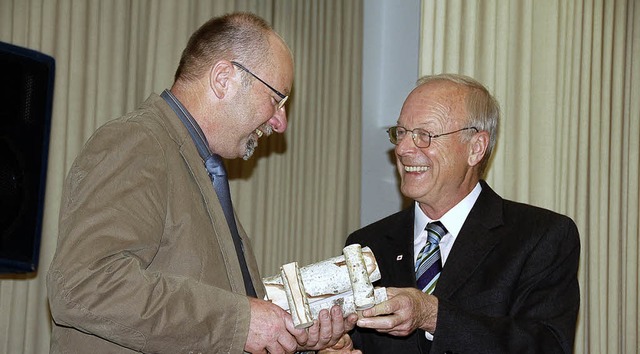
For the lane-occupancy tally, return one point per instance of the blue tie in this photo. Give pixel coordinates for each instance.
(429, 264)
(218, 174)
(215, 167)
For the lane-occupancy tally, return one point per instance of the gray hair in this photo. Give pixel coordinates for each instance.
(482, 108)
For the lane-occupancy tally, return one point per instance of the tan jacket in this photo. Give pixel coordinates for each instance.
(145, 260)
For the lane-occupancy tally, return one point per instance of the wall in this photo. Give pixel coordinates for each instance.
(390, 70)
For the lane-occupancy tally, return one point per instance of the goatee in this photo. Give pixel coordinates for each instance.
(250, 148)
(252, 142)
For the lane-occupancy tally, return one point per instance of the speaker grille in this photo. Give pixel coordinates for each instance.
(25, 114)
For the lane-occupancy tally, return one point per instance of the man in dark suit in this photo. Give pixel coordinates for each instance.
(505, 273)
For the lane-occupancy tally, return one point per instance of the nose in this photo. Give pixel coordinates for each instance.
(406, 145)
(279, 120)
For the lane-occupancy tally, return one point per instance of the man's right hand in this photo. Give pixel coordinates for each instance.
(269, 329)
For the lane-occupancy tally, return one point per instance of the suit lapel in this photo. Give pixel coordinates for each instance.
(473, 243)
(396, 249)
(189, 153)
(219, 222)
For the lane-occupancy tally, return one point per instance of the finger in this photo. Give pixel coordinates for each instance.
(301, 335)
(383, 308)
(313, 335)
(345, 342)
(340, 344)
(287, 344)
(326, 331)
(379, 323)
(337, 323)
(350, 322)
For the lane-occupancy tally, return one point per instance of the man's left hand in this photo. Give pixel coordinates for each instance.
(406, 310)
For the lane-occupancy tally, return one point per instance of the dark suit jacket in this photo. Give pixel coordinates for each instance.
(509, 284)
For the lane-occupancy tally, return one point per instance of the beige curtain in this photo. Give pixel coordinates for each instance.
(567, 74)
(298, 198)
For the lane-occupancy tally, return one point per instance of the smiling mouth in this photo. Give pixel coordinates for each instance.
(416, 168)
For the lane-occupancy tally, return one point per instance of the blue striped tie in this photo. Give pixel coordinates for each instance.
(429, 264)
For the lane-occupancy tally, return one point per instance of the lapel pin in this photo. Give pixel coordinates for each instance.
(399, 257)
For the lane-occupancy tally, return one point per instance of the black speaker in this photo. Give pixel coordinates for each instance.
(26, 94)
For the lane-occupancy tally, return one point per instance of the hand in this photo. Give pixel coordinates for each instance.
(406, 310)
(271, 329)
(327, 330)
(344, 346)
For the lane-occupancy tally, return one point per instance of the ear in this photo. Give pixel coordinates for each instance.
(478, 147)
(222, 78)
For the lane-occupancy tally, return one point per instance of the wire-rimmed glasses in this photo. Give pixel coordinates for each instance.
(422, 138)
(283, 97)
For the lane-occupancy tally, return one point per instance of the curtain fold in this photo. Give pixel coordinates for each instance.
(567, 76)
(297, 198)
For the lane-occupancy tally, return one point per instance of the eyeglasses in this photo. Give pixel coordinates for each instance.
(421, 137)
(283, 98)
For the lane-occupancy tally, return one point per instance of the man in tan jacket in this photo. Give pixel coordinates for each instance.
(146, 259)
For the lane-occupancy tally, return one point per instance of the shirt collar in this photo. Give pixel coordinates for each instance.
(189, 122)
(452, 219)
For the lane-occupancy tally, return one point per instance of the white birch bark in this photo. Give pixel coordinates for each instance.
(296, 296)
(327, 283)
(360, 283)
